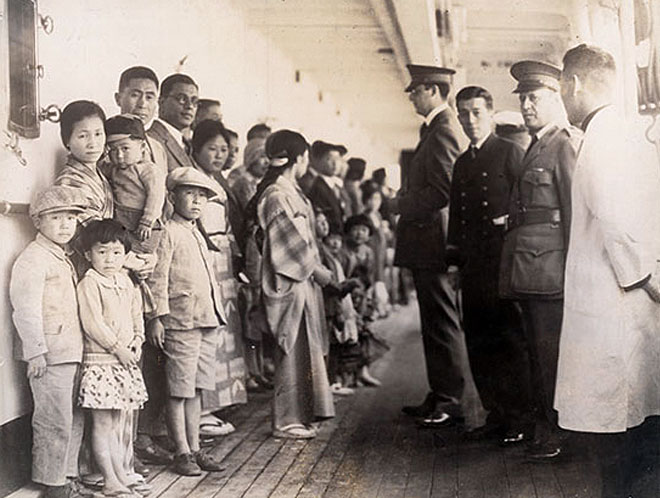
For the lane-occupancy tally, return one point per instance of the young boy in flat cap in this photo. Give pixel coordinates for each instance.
(187, 315)
(138, 186)
(42, 291)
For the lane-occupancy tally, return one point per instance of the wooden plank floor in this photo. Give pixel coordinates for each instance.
(370, 449)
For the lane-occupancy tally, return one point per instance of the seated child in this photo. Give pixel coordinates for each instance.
(111, 384)
(339, 312)
(359, 262)
(137, 184)
(187, 315)
(43, 295)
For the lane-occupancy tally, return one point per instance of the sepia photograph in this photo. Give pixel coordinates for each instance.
(330, 248)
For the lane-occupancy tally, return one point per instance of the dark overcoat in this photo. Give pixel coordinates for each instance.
(421, 229)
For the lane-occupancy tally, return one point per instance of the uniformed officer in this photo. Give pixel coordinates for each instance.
(534, 252)
(480, 191)
(422, 203)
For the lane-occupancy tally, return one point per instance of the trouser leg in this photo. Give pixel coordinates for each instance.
(57, 431)
(444, 342)
(542, 328)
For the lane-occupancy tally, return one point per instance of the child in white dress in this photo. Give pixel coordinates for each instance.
(111, 382)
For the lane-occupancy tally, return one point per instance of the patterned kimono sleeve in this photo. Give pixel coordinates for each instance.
(291, 252)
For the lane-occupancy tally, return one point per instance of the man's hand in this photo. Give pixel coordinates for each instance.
(37, 366)
(652, 288)
(156, 333)
(454, 277)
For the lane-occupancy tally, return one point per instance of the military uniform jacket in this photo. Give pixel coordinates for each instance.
(479, 200)
(420, 232)
(534, 251)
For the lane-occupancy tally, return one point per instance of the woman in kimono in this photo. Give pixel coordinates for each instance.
(210, 145)
(292, 274)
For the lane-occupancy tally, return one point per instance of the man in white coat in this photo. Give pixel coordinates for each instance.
(608, 378)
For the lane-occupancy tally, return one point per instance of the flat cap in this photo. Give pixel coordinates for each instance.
(58, 198)
(421, 75)
(532, 75)
(124, 126)
(191, 177)
(320, 148)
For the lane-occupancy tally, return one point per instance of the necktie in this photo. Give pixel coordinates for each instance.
(473, 151)
(187, 145)
(535, 139)
(423, 130)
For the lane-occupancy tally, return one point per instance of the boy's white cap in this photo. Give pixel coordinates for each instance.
(58, 198)
(192, 177)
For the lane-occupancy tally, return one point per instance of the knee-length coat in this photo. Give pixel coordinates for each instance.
(608, 375)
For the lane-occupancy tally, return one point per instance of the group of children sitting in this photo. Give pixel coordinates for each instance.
(120, 258)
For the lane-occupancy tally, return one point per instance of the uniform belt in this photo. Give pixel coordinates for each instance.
(534, 217)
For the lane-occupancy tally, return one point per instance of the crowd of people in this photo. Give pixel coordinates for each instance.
(166, 282)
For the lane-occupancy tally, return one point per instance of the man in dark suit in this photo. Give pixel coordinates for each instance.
(422, 203)
(177, 102)
(534, 251)
(327, 190)
(479, 201)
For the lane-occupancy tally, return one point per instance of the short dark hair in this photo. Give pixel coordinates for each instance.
(203, 104)
(475, 92)
(77, 111)
(591, 63)
(231, 133)
(443, 88)
(103, 232)
(134, 73)
(205, 131)
(173, 79)
(260, 130)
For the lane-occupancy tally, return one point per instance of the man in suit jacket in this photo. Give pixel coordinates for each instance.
(479, 200)
(422, 203)
(327, 189)
(534, 252)
(177, 105)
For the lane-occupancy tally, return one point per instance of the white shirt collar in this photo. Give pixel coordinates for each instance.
(174, 132)
(429, 117)
(481, 142)
(544, 130)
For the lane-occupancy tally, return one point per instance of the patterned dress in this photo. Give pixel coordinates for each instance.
(230, 366)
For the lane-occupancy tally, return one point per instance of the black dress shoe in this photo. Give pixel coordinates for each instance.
(436, 419)
(512, 437)
(543, 452)
(423, 410)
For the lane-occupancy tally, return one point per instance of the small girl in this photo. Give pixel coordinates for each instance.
(111, 382)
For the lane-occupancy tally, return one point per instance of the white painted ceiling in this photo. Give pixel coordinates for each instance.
(356, 50)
